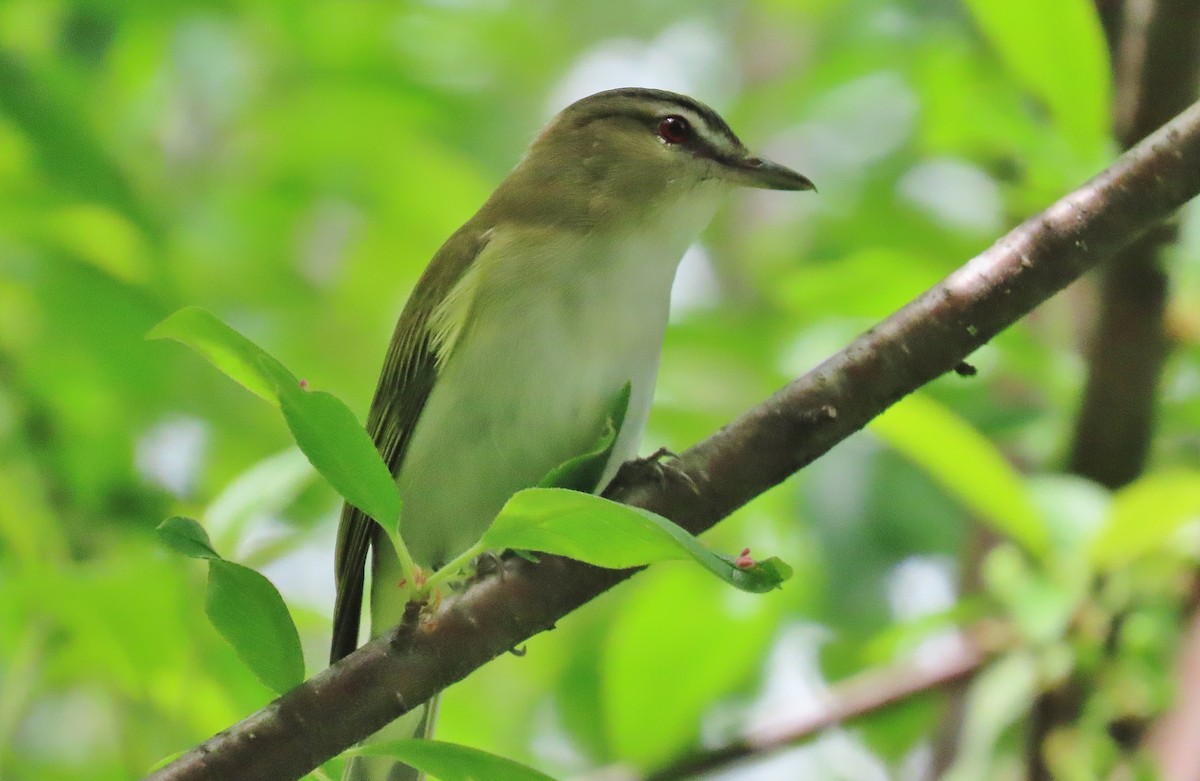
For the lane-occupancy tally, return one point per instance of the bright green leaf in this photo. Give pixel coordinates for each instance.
(246, 608)
(1146, 514)
(608, 534)
(265, 488)
(324, 427)
(966, 464)
(168, 759)
(341, 450)
(1058, 50)
(450, 761)
(186, 536)
(241, 359)
(583, 472)
(249, 613)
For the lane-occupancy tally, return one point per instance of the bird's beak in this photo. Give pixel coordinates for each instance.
(751, 171)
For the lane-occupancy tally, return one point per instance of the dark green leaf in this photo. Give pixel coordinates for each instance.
(341, 450)
(241, 359)
(583, 472)
(452, 762)
(66, 145)
(607, 534)
(186, 536)
(248, 611)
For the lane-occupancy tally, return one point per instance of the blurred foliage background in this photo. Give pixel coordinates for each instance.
(292, 167)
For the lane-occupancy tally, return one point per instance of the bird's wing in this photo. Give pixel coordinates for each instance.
(409, 371)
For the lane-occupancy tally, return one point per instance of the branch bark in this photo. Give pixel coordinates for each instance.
(1156, 68)
(927, 338)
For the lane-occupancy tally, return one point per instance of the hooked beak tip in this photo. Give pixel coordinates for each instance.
(773, 176)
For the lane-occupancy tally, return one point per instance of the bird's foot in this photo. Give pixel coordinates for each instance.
(433, 602)
(654, 467)
(485, 565)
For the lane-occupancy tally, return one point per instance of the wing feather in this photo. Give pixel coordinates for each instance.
(408, 375)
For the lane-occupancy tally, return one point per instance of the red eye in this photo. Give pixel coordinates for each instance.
(674, 129)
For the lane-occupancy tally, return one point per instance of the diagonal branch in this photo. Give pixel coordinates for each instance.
(928, 337)
(866, 693)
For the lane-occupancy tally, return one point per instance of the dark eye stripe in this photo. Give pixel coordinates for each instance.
(670, 101)
(658, 103)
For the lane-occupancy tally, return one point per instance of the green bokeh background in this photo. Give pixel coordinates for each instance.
(291, 166)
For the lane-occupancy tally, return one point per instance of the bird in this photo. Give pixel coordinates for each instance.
(526, 324)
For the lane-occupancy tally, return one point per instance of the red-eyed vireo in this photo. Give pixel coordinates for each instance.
(531, 318)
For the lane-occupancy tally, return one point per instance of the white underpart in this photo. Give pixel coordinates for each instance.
(560, 321)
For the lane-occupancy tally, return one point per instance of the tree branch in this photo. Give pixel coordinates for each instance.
(927, 338)
(1156, 64)
(859, 696)
(1156, 67)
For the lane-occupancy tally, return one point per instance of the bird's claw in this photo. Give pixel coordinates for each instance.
(485, 565)
(661, 471)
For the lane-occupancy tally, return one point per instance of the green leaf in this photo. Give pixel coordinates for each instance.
(1075, 510)
(265, 488)
(657, 683)
(1058, 50)
(168, 759)
(1145, 515)
(451, 761)
(246, 608)
(999, 696)
(341, 450)
(249, 613)
(607, 534)
(186, 536)
(897, 639)
(966, 464)
(327, 432)
(241, 359)
(1042, 601)
(583, 472)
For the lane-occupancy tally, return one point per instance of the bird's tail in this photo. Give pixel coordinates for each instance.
(417, 724)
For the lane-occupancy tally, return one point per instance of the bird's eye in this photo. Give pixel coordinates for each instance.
(674, 129)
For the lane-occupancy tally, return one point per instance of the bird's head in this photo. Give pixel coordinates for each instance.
(632, 150)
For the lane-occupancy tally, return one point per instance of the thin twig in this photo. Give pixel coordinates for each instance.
(862, 695)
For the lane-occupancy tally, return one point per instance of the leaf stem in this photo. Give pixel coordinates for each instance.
(408, 570)
(456, 564)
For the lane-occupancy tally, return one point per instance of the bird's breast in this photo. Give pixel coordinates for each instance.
(554, 329)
